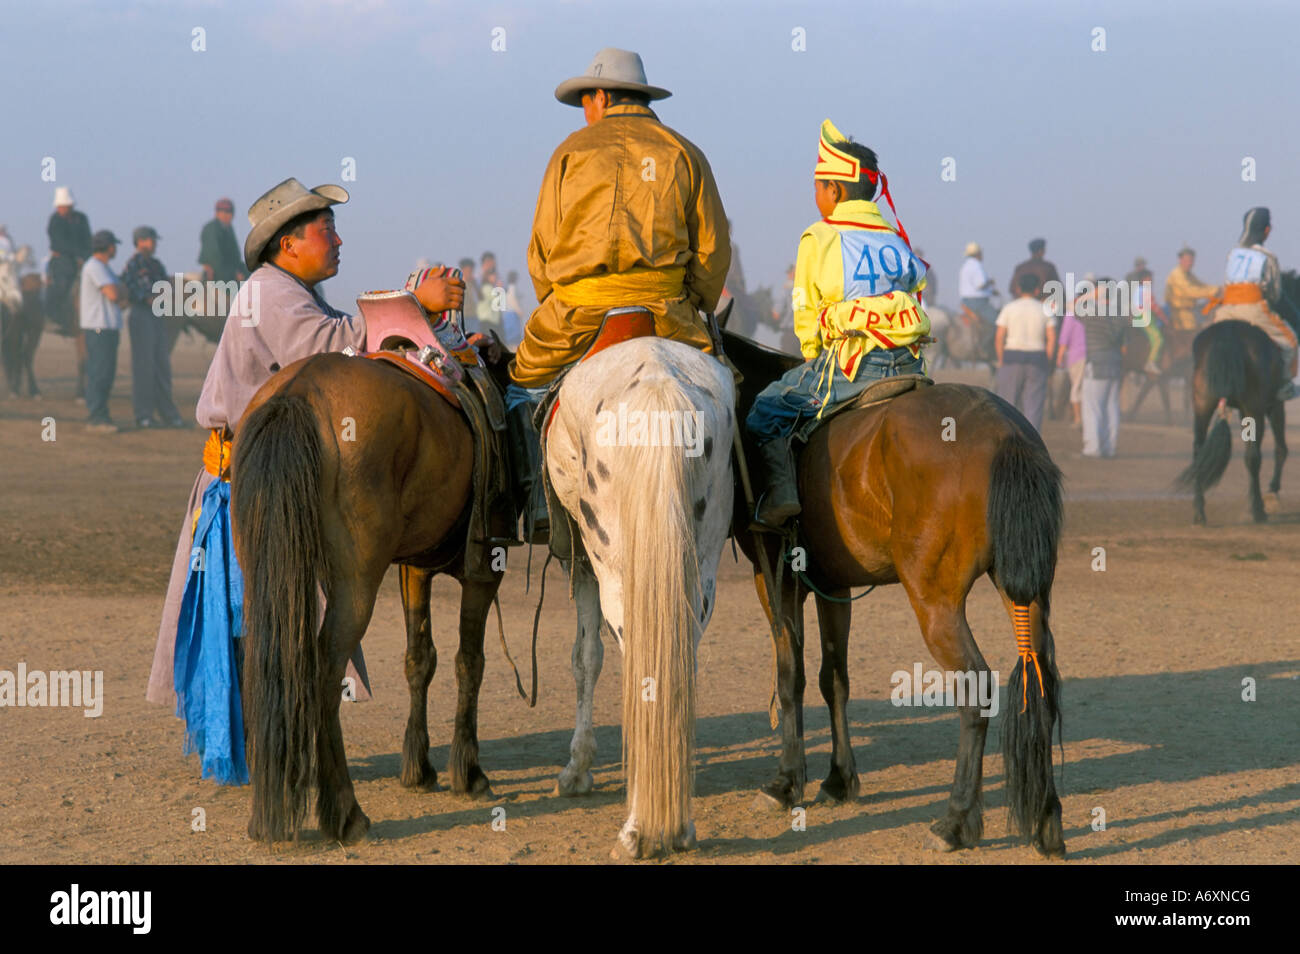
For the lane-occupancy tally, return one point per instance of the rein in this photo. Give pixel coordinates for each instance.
(803, 578)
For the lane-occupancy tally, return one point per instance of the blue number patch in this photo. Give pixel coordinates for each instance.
(876, 263)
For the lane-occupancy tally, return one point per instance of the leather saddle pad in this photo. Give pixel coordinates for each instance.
(885, 389)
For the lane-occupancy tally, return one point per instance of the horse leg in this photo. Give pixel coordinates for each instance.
(1163, 385)
(421, 662)
(588, 657)
(346, 617)
(833, 621)
(29, 344)
(467, 777)
(1141, 396)
(1254, 457)
(1277, 418)
(1200, 425)
(947, 634)
(786, 790)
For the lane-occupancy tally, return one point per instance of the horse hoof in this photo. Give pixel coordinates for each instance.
(936, 842)
(685, 840)
(765, 801)
(426, 780)
(1272, 504)
(567, 786)
(357, 827)
(628, 846)
(481, 793)
(836, 792)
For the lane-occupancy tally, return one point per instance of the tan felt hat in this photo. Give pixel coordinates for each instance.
(278, 206)
(611, 69)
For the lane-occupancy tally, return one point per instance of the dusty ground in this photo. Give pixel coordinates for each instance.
(1153, 651)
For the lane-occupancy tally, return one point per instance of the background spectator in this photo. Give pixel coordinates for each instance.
(101, 322)
(1026, 336)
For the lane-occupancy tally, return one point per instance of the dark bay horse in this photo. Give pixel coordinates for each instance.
(312, 504)
(20, 333)
(1238, 366)
(1175, 364)
(934, 489)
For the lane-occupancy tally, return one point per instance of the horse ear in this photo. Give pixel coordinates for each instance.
(723, 315)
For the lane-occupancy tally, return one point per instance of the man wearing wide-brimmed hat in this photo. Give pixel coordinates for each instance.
(277, 318)
(628, 214)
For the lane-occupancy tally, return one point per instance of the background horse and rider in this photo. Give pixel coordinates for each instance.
(1239, 367)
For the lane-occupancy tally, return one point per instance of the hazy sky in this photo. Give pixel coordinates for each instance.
(1108, 155)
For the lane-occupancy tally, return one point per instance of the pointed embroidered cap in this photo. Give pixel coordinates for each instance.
(833, 162)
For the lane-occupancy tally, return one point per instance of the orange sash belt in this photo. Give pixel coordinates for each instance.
(216, 454)
(1238, 293)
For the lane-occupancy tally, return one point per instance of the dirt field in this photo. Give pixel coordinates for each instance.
(1153, 652)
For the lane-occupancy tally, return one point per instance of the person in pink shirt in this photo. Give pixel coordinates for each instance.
(1072, 355)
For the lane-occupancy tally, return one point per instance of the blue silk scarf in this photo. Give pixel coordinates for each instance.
(207, 645)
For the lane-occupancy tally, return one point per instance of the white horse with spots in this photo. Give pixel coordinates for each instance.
(639, 452)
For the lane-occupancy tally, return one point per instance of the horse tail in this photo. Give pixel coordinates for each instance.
(1211, 458)
(1025, 517)
(1225, 366)
(661, 589)
(275, 511)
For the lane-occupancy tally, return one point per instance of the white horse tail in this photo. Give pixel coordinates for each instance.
(661, 592)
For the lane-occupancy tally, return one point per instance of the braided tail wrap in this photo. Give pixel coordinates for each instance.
(1024, 519)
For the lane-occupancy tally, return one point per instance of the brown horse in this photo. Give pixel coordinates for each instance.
(1175, 363)
(312, 504)
(20, 333)
(933, 489)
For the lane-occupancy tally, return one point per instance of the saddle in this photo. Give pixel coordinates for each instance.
(886, 389)
(618, 325)
(399, 334)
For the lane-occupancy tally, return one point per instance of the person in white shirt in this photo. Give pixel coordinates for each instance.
(101, 299)
(1026, 338)
(974, 286)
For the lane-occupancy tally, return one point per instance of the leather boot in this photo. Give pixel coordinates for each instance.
(780, 502)
(525, 457)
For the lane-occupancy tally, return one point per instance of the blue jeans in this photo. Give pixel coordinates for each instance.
(101, 369)
(515, 396)
(798, 395)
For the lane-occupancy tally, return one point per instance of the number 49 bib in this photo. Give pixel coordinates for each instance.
(877, 263)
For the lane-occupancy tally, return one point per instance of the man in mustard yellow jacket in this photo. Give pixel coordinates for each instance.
(857, 311)
(628, 214)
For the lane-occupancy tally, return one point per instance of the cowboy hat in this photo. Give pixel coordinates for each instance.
(611, 69)
(276, 207)
(63, 196)
(972, 248)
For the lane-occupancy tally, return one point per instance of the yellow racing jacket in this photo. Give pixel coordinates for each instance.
(857, 287)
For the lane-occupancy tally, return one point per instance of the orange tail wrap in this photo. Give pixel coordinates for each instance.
(1024, 645)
